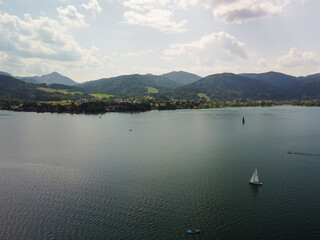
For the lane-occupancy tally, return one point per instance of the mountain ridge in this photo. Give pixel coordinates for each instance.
(55, 77)
(130, 85)
(182, 77)
(225, 86)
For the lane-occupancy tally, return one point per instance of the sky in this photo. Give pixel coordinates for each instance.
(92, 39)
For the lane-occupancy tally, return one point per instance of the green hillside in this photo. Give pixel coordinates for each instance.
(12, 89)
(308, 86)
(226, 86)
(181, 77)
(276, 79)
(130, 85)
(51, 78)
(229, 86)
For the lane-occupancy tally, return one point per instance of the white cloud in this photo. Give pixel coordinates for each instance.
(238, 11)
(263, 63)
(41, 41)
(137, 54)
(157, 14)
(297, 58)
(295, 62)
(93, 6)
(140, 5)
(216, 47)
(71, 17)
(229, 11)
(10, 62)
(157, 19)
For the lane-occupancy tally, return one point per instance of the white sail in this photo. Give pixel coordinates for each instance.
(255, 178)
(252, 179)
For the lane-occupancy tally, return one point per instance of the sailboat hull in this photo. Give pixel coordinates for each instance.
(257, 184)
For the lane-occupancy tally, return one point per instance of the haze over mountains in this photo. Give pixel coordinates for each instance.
(182, 77)
(182, 85)
(50, 79)
(47, 79)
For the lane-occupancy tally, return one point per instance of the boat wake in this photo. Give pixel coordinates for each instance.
(306, 154)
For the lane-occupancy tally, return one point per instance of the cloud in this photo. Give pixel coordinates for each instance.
(140, 5)
(41, 41)
(263, 63)
(238, 11)
(157, 19)
(93, 6)
(216, 47)
(137, 54)
(228, 11)
(9, 61)
(297, 58)
(71, 17)
(156, 14)
(295, 62)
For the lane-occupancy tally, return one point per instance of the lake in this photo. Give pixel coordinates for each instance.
(86, 177)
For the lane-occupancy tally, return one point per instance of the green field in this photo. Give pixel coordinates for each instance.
(51, 90)
(202, 95)
(101, 95)
(152, 90)
(62, 102)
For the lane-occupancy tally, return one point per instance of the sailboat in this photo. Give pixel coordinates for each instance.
(255, 179)
(193, 231)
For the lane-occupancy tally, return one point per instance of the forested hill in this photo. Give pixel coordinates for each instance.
(181, 77)
(228, 86)
(12, 89)
(131, 85)
(276, 79)
(50, 79)
(225, 86)
(308, 86)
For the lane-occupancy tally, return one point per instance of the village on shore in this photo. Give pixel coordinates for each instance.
(97, 106)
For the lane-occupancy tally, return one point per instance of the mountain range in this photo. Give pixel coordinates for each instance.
(131, 85)
(47, 79)
(182, 85)
(228, 86)
(13, 89)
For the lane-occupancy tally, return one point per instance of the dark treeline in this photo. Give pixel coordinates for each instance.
(92, 107)
(95, 107)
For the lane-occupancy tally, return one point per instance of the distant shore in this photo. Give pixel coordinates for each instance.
(98, 107)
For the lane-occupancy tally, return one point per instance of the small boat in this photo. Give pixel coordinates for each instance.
(193, 231)
(255, 179)
(243, 121)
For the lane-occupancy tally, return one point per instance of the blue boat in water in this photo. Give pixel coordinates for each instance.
(193, 231)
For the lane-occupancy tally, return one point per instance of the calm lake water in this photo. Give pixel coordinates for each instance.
(85, 177)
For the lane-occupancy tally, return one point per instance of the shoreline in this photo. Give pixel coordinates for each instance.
(100, 107)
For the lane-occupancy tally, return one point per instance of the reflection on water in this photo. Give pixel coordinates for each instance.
(85, 177)
(254, 189)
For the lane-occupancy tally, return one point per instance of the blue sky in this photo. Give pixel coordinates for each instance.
(92, 39)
